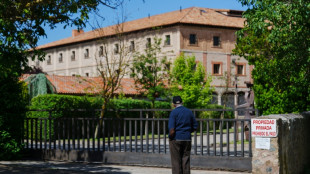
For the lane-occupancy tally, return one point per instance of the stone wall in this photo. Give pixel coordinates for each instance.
(290, 151)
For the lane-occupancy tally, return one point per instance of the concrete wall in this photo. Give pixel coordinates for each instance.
(289, 152)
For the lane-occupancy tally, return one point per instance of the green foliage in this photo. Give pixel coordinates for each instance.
(12, 106)
(190, 82)
(63, 104)
(68, 106)
(149, 71)
(21, 25)
(276, 41)
(10, 149)
(216, 115)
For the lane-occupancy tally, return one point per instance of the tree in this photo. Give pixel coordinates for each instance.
(112, 64)
(190, 82)
(21, 25)
(150, 71)
(276, 41)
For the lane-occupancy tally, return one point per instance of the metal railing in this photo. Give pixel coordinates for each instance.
(214, 137)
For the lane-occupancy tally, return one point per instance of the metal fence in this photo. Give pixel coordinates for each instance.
(214, 137)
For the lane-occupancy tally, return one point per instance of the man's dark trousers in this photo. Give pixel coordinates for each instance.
(180, 156)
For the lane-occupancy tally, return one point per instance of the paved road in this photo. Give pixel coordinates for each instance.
(50, 167)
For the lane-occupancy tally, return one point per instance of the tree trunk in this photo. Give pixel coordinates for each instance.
(101, 120)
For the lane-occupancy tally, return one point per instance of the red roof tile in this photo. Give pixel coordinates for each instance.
(85, 85)
(194, 15)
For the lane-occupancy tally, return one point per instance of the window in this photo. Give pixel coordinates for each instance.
(192, 39)
(101, 51)
(37, 63)
(240, 69)
(148, 42)
(116, 48)
(60, 58)
(216, 41)
(167, 41)
(132, 46)
(73, 56)
(49, 60)
(217, 68)
(86, 53)
(87, 74)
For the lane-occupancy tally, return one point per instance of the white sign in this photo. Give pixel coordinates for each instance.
(262, 143)
(264, 127)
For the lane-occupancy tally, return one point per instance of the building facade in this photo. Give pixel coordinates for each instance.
(208, 34)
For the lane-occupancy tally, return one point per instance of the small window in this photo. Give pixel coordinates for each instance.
(132, 46)
(60, 58)
(87, 74)
(37, 63)
(73, 75)
(73, 56)
(116, 49)
(86, 53)
(148, 42)
(240, 70)
(49, 60)
(217, 69)
(101, 51)
(192, 39)
(216, 41)
(167, 41)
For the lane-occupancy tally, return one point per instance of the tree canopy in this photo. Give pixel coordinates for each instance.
(190, 82)
(149, 71)
(21, 25)
(276, 41)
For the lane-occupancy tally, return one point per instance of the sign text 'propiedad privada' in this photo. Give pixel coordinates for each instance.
(264, 127)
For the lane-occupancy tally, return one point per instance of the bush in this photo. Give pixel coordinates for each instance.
(216, 115)
(10, 149)
(63, 104)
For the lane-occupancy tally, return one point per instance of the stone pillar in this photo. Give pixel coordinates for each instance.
(266, 161)
(289, 152)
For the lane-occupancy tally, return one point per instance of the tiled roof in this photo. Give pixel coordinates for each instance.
(85, 85)
(194, 15)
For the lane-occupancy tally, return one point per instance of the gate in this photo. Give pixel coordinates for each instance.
(217, 143)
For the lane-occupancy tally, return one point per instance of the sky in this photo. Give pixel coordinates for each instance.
(136, 9)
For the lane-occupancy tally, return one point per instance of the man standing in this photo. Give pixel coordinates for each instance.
(181, 124)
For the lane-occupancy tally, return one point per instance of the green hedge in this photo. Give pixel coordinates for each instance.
(63, 104)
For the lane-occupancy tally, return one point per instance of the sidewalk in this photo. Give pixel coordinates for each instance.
(51, 167)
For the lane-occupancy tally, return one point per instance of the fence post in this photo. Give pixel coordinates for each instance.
(50, 129)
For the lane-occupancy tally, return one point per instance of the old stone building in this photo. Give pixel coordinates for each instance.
(209, 34)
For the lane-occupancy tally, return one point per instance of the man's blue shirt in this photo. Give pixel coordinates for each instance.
(184, 123)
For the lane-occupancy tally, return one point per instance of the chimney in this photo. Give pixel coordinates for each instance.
(76, 32)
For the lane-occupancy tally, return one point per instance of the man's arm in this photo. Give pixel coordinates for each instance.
(171, 126)
(194, 123)
(171, 133)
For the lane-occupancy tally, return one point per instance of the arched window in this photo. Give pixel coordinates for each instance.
(228, 99)
(214, 99)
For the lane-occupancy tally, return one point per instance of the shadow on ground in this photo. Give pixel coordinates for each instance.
(57, 168)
